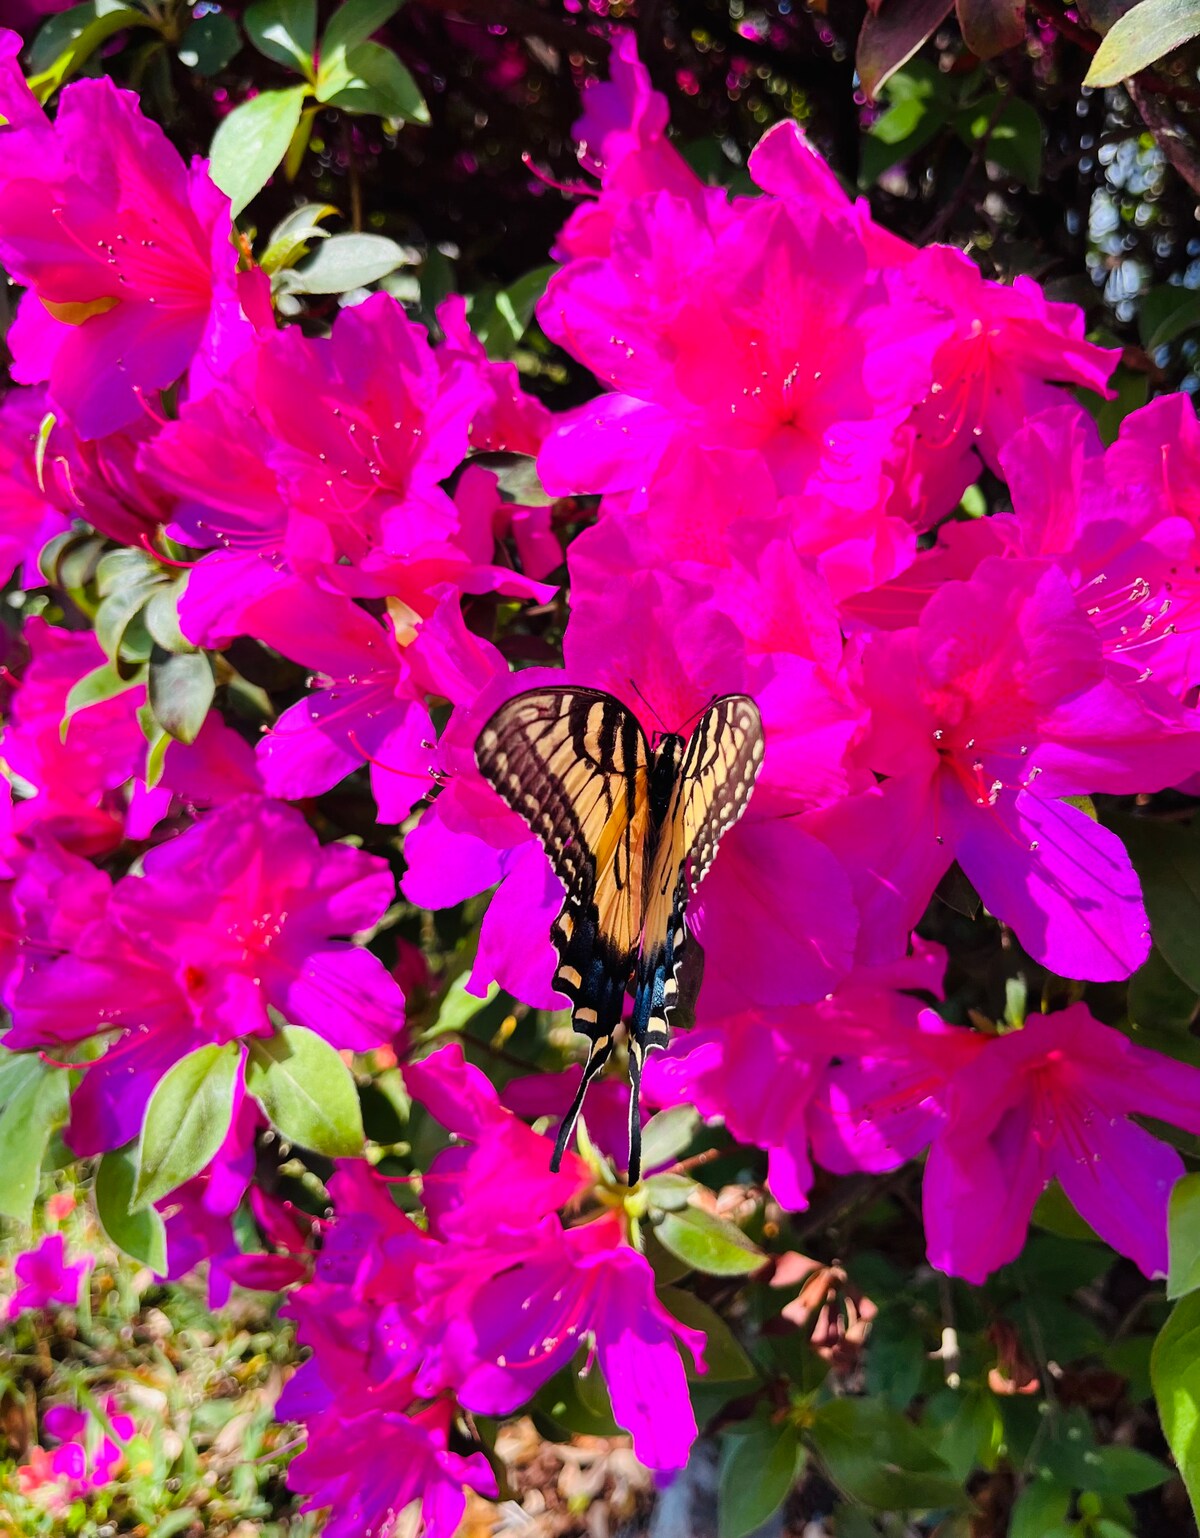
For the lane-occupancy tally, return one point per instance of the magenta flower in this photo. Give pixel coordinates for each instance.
(237, 914)
(30, 518)
(101, 1455)
(410, 1461)
(998, 703)
(127, 256)
(622, 139)
(530, 1318)
(1053, 1101)
(763, 332)
(44, 1276)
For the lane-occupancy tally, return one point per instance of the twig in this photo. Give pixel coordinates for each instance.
(945, 215)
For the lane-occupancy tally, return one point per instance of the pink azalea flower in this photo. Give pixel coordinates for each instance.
(773, 1076)
(127, 256)
(235, 915)
(30, 518)
(102, 1456)
(507, 418)
(764, 333)
(18, 105)
(1053, 1101)
(529, 1319)
(496, 1151)
(994, 706)
(622, 139)
(45, 1276)
(410, 1461)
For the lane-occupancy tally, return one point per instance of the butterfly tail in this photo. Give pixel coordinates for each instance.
(601, 1049)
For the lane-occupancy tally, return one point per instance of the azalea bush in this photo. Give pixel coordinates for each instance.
(371, 366)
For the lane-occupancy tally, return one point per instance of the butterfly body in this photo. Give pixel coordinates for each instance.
(630, 830)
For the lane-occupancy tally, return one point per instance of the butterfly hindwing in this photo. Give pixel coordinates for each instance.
(716, 776)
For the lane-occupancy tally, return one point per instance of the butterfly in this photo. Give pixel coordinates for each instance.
(631, 829)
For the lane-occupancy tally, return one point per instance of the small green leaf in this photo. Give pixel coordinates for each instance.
(724, 1359)
(289, 240)
(35, 1103)
(186, 1121)
(1175, 1374)
(505, 321)
(371, 79)
(1183, 1230)
(102, 683)
(250, 143)
(284, 30)
(708, 1243)
(1158, 997)
(161, 615)
(758, 1469)
(1166, 313)
(141, 1234)
(1168, 863)
(181, 688)
(344, 262)
(667, 1193)
(118, 612)
(895, 1355)
(668, 1134)
(1141, 37)
(1117, 1470)
(90, 27)
(307, 1091)
(458, 1007)
(1041, 1506)
(878, 1457)
(352, 23)
(209, 43)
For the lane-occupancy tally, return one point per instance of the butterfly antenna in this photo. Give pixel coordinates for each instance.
(633, 685)
(597, 1058)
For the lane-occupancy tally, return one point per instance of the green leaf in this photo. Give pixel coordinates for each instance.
(307, 1091)
(209, 44)
(895, 1355)
(161, 615)
(1141, 37)
(85, 29)
(289, 240)
(458, 1007)
(1158, 997)
(575, 1401)
(250, 143)
(1166, 313)
(1053, 1212)
(667, 1193)
(1041, 1506)
(181, 688)
(35, 1103)
(876, 1456)
(506, 319)
(119, 610)
(1183, 1237)
(708, 1243)
(142, 1234)
(102, 683)
(344, 262)
(668, 1134)
(1168, 862)
(1117, 1470)
(724, 1359)
(1175, 1374)
(353, 23)
(371, 79)
(186, 1121)
(758, 1469)
(284, 30)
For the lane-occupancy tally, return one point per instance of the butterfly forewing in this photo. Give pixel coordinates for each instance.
(573, 764)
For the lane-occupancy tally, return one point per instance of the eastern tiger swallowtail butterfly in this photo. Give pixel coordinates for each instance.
(630, 830)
